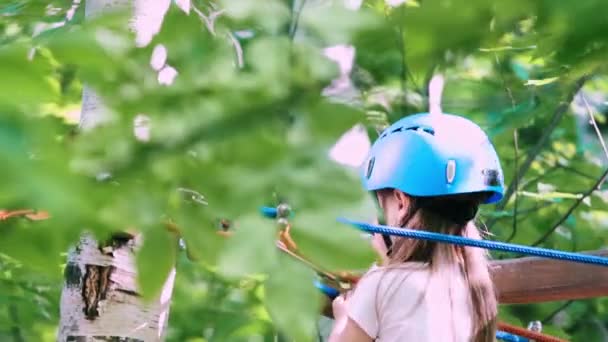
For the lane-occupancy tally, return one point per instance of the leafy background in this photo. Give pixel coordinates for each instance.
(255, 132)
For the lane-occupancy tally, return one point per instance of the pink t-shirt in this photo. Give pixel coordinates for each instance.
(410, 303)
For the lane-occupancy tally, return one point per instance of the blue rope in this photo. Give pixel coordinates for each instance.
(327, 290)
(269, 212)
(493, 245)
(507, 337)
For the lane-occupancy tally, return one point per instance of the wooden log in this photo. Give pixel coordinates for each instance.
(534, 280)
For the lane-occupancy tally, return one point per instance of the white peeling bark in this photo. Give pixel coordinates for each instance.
(93, 111)
(100, 300)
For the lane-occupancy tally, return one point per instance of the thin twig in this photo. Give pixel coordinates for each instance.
(556, 311)
(508, 48)
(531, 211)
(504, 83)
(594, 124)
(522, 212)
(210, 23)
(572, 208)
(555, 120)
(194, 195)
(516, 149)
(535, 208)
(576, 171)
(238, 49)
(554, 168)
(526, 184)
(401, 46)
(405, 71)
(306, 262)
(208, 20)
(296, 20)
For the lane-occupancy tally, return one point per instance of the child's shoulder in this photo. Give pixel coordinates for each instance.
(405, 267)
(409, 274)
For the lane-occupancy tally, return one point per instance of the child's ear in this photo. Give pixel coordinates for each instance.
(402, 200)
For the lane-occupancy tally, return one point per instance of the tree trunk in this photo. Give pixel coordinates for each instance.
(100, 300)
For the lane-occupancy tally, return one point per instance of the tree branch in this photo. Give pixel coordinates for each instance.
(557, 116)
(527, 211)
(401, 43)
(594, 124)
(534, 208)
(504, 82)
(526, 184)
(296, 19)
(576, 171)
(516, 150)
(572, 208)
(556, 311)
(405, 71)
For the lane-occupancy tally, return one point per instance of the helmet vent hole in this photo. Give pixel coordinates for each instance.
(491, 177)
(427, 130)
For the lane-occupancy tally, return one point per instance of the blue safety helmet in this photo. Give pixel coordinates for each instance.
(434, 155)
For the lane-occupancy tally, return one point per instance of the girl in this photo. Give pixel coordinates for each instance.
(431, 172)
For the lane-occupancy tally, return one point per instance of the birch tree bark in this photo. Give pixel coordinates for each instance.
(100, 300)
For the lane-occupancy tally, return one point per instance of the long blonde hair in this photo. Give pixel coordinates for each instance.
(452, 215)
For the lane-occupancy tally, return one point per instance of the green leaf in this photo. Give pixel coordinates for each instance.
(36, 244)
(260, 134)
(155, 261)
(329, 120)
(292, 299)
(203, 243)
(270, 15)
(334, 246)
(251, 249)
(25, 81)
(95, 48)
(335, 24)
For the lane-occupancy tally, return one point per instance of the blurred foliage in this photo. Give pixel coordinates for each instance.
(259, 134)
